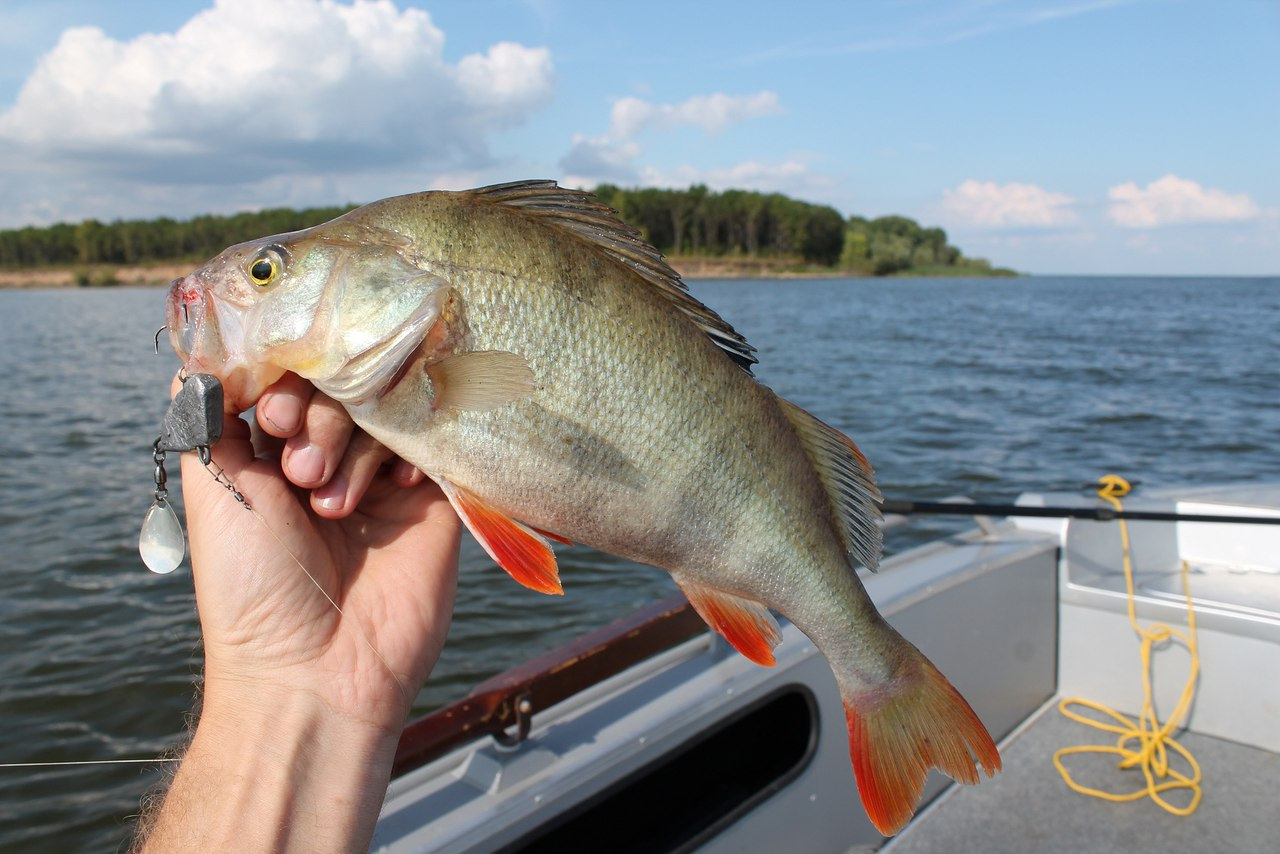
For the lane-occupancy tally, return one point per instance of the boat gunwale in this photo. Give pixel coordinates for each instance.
(510, 699)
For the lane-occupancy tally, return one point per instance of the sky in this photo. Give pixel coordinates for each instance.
(1064, 136)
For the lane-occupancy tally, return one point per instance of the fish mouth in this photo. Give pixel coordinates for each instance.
(207, 334)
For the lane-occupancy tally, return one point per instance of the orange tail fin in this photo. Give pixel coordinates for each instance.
(896, 735)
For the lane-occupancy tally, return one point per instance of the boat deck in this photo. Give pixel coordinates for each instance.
(1029, 808)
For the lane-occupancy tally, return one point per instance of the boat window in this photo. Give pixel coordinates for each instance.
(693, 792)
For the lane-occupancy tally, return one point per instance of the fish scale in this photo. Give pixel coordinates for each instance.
(553, 375)
(551, 321)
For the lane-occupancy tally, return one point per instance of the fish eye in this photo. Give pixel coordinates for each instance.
(265, 268)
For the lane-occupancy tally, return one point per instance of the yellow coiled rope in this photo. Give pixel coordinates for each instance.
(1145, 743)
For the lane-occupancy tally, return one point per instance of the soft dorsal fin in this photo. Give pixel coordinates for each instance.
(578, 213)
(849, 480)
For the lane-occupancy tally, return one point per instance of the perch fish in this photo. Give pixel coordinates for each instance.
(541, 363)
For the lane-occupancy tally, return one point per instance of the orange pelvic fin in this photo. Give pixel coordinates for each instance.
(521, 551)
(745, 623)
(898, 733)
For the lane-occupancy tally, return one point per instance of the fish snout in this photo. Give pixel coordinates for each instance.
(208, 334)
(186, 313)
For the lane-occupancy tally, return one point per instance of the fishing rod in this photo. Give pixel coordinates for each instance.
(1097, 514)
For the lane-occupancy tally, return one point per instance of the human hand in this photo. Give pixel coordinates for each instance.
(382, 544)
(322, 449)
(305, 692)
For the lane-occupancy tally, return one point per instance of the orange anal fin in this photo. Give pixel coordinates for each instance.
(745, 623)
(898, 734)
(520, 550)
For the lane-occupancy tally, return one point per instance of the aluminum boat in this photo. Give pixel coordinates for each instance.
(654, 735)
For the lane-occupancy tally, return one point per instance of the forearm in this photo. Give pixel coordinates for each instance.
(274, 771)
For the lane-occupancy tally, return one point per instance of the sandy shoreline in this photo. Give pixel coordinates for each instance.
(66, 277)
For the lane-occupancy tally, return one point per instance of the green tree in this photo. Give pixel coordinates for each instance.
(696, 220)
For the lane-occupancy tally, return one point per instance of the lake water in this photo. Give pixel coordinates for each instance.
(980, 387)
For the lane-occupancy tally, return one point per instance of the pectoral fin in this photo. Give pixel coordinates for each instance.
(745, 623)
(480, 380)
(522, 552)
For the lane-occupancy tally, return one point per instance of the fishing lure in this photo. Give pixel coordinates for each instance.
(193, 422)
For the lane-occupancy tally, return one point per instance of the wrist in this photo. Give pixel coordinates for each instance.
(295, 721)
(348, 677)
(276, 769)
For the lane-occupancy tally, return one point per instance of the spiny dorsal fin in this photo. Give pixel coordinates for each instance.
(849, 480)
(577, 212)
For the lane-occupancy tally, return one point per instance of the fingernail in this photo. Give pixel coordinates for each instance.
(332, 495)
(404, 473)
(284, 418)
(307, 465)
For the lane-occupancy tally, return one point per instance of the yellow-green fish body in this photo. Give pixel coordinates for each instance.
(534, 357)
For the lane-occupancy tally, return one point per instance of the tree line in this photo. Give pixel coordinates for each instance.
(680, 222)
(140, 241)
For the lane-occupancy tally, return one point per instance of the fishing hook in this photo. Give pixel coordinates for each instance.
(158, 331)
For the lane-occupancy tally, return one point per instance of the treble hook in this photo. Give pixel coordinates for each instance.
(158, 331)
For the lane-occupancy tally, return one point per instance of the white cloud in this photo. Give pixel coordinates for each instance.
(234, 95)
(712, 113)
(929, 25)
(1172, 200)
(612, 156)
(986, 204)
(593, 159)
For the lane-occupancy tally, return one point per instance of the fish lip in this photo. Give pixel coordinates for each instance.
(186, 310)
(200, 327)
